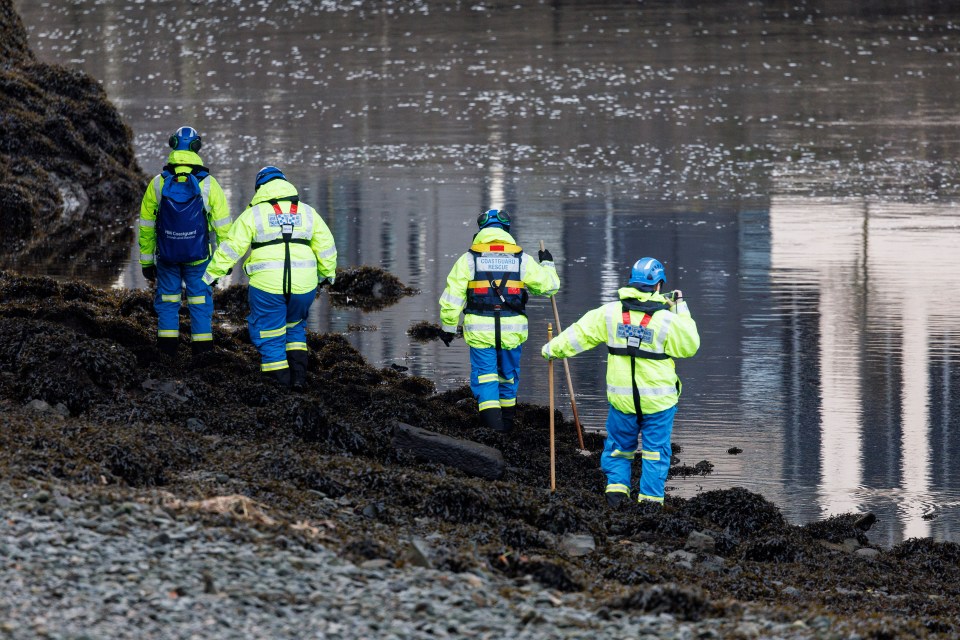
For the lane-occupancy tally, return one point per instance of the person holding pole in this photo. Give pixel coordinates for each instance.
(490, 284)
(644, 330)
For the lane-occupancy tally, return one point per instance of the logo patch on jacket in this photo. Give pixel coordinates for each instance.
(275, 220)
(628, 331)
(502, 263)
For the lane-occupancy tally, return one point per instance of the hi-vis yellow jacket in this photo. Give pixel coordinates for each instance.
(313, 254)
(479, 331)
(218, 213)
(660, 336)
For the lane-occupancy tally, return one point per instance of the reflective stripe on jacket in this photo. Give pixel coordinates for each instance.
(214, 200)
(479, 331)
(313, 253)
(671, 332)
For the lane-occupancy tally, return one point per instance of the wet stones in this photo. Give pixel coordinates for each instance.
(700, 542)
(686, 603)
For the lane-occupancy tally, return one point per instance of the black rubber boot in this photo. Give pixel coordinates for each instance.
(507, 414)
(298, 360)
(492, 419)
(279, 377)
(615, 499)
(168, 346)
(201, 346)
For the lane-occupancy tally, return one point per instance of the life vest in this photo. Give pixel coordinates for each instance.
(637, 335)
(497, 289)
(182, 215)
(285, 223)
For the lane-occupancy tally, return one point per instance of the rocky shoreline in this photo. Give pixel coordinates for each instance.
(217, 499)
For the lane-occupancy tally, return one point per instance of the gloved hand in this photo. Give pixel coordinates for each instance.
(447, 337)
(327, 281)
(230, 270)
(213, 285)
(543, 254)
(545, 352)
(675, 298)
(149, 271)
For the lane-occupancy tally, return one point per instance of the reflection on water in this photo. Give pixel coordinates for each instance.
(790, 166)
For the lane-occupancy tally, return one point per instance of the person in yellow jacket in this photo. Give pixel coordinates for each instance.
(644, 331)
(490, 285)
(292, 252)
(181, 207)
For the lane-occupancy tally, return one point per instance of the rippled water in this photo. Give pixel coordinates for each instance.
(793, 168)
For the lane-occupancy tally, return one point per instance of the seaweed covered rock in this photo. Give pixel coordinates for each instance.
(67, 166)
(368, 288)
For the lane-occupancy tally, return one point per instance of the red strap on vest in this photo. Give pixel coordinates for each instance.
(277, 210)
(644, 321)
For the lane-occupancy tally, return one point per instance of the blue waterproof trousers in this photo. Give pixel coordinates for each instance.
(172, 278)
(277, 326)
(620, 449)
(495, 387)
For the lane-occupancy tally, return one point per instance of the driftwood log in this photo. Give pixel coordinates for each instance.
(470, 457)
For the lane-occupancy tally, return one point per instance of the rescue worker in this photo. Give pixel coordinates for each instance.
(490, 285)
(183, 204)
(644, 331)
(292, 252)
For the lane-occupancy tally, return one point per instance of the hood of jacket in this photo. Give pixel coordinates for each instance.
(493, 234)
(273, 190)
(183, 158)
(625, 293)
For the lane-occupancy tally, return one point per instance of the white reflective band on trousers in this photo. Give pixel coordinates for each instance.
(278, 264)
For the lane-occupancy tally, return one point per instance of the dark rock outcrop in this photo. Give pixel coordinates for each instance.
(69, 182)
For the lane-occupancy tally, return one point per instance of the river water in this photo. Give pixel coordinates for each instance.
(794, 168)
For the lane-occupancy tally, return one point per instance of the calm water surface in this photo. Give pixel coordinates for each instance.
(794, 169)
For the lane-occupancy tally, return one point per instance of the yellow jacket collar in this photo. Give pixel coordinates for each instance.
(273, 190)
(179, 158)
(643, 296)
(492, 235)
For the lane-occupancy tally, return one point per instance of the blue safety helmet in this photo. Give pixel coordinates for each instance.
(647, 271)
(267, 174)
(185, 139)
(494, 218)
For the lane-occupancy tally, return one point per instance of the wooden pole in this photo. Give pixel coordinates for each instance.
(553, 458)
(566, 370)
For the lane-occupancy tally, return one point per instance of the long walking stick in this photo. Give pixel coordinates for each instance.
(553, 459)
(566, 370)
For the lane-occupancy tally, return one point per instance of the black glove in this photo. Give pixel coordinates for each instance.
(149, 271)
(447, 337)
(543, 254)
(213, 285)
(230, 270)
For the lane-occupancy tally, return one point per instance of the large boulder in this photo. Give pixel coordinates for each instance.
(470, 457)
(70, 185)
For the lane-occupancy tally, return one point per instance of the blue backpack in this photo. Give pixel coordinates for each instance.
(182, 215)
